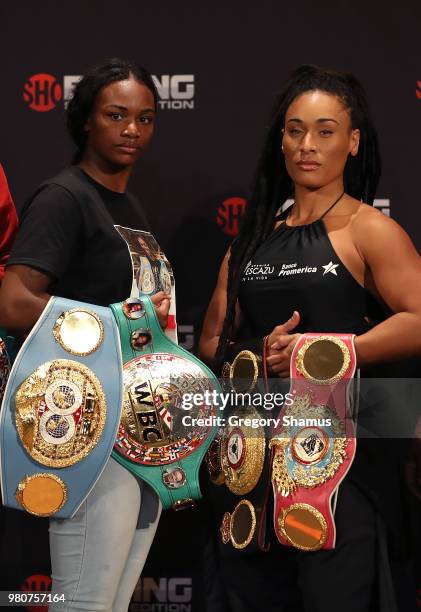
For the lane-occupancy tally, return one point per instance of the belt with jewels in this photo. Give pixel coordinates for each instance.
(61, 409)
(315, 443)
(152, 440)
(240, 459)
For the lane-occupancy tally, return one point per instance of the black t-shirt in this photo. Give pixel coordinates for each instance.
(73, 239)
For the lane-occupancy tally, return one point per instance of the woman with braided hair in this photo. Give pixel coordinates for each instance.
(329, 263)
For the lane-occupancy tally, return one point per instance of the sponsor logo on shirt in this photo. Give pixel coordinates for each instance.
(330, 267)
(261, 271)
(289, 269)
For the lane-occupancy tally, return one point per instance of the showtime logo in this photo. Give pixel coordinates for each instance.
(229, 215)
(42, 92)
(35, 583)
(162, 595)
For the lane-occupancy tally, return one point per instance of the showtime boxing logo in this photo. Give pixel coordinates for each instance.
(42, 92)
(162, 595)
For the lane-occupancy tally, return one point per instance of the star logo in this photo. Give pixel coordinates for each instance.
(330, 267)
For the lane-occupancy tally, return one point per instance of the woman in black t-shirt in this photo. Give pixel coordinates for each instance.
(67, 246)
(328, 264)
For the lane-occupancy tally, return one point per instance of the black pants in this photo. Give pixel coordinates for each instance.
(286, 580)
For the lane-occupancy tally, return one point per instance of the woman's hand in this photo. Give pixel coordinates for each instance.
(280, 345)
(162, 302)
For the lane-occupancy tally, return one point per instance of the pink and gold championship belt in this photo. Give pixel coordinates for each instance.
(315, 443)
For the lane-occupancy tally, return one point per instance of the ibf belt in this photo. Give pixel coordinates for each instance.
(315, 444)
(61, 409)
(161, 439)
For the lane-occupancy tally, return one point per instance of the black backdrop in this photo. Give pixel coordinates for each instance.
(232, 58)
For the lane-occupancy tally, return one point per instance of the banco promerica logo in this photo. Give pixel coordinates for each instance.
(42, 92)
(229, 215)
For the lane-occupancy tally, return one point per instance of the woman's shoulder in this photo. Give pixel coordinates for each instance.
(368, 218)
(372, 229)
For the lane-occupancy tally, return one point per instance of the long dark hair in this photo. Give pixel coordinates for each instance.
(272, 184)
(86, 90)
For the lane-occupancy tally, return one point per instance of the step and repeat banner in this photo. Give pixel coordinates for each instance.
(218, 68)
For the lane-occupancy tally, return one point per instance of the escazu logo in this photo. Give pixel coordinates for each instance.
(418, 90)
(35, 583)
(162, 595)
(42, 92)
(229, 215)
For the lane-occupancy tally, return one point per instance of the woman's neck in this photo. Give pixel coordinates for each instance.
(311, 204)
(114, 179)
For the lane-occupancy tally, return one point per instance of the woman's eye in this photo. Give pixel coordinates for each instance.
(294, 131)
(116, 116)
(326, 132)
(146, 120)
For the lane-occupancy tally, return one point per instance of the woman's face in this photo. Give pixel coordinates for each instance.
(317, 139)
(121, 123)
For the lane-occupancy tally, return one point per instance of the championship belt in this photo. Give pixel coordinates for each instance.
(153, 442)
(244, 460)
(61, 409)
(315, 445)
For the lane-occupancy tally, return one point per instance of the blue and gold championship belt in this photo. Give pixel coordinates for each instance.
(61, 409)
(153, 442)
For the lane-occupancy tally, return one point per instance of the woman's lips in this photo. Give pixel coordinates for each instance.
(128, 148)
(308, 165)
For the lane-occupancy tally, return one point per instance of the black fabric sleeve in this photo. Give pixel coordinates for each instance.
(49, 232)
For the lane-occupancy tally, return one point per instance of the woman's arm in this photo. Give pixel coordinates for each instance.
(215, 315)
(395, 268)
(22, 297)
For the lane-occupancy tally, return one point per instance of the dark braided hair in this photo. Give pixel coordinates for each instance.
(86, 90)
(272, 184)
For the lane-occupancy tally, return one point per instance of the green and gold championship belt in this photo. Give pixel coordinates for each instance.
(160, 440)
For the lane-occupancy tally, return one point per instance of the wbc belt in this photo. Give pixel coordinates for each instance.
(153, 442)
(61, 409)
(315, 444)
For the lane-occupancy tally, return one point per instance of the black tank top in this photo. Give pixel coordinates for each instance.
(297, 268)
